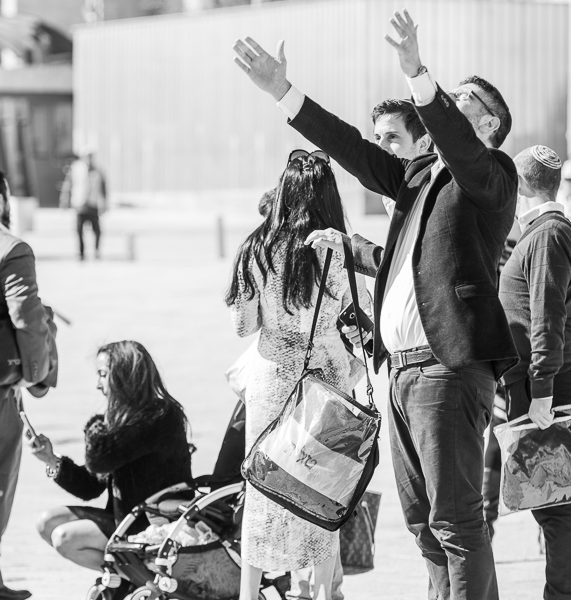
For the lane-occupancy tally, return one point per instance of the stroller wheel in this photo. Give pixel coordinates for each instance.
(95, 592)
(142, 593)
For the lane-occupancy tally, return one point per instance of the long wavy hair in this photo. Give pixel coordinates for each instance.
(307, 199)
(136, 391)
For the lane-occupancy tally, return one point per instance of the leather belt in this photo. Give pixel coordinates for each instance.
(400, 360)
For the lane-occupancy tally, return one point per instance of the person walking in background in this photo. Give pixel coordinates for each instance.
(274, 286)
(535, 290)
(85, 190)
(24, 318)
(438, 319)
(138, 447)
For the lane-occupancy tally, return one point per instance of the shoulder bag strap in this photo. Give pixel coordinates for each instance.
(350, 266)
(322, 286)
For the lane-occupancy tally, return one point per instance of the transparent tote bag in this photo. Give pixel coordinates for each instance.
(318, 456)
(536, 463)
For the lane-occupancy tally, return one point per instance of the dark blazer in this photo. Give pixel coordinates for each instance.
(132, 463)
(467, 216)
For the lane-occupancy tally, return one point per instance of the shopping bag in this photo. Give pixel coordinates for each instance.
(536, 463)
(318, 456)
(357, 536)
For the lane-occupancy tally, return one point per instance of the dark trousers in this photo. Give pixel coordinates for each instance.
(91, 216)
(554, 521)
(10, 452)
(437, 419)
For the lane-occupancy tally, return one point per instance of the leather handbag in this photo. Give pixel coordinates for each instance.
(357, 536)
(10, 362)
(317, 457)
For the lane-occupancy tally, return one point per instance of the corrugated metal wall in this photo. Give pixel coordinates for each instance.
(168, 111)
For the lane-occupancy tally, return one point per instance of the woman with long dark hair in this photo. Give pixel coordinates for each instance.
(273, 289)
(136, 448)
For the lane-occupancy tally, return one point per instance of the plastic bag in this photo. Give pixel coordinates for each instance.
(536, 463)
(318, 456)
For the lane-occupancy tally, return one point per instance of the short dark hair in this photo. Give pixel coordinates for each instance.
(266, 202)
(497, 104)
(404, 109)
(540, 167)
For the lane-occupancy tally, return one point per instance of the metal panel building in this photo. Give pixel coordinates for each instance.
(171, 116)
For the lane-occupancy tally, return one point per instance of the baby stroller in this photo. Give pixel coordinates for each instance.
(139, 570)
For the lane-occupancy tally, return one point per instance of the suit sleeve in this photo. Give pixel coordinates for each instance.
(487, 177)
(77, 480)
(106, 451)
(376, 169)
(366, 255)
(548, 272)
(28, 316)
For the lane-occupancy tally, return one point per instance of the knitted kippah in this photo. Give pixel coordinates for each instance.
(546, 156)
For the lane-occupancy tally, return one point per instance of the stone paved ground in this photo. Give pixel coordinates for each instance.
(170, 299)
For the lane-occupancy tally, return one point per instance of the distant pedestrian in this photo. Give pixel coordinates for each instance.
(85, 190)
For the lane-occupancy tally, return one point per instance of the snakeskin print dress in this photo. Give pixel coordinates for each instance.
(273, 539)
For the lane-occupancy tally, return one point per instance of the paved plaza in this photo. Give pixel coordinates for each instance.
(170, 298)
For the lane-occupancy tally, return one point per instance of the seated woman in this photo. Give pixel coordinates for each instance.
(138, 447)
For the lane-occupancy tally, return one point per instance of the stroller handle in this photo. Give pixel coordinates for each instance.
(130, 518)
(194, 507)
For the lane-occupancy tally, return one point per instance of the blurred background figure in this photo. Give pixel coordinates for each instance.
(85, 190)
(23, 324)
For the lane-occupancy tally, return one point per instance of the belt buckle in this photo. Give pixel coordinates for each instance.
(402, 358)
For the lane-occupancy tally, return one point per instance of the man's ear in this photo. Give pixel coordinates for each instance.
(523, 188)
(424, 143)
(488, 124)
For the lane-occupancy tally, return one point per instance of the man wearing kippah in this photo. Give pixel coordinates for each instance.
(535, 290)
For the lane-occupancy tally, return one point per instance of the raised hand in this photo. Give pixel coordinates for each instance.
(407, 47)
(266, 71)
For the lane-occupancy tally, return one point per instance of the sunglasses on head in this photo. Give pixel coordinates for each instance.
(305, 155)
(466, 94)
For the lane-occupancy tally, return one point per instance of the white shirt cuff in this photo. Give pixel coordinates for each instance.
(422, 88)
(292, 102)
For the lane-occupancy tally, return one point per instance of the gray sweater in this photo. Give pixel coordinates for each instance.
(535, 290)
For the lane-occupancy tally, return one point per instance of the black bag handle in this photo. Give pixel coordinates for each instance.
(350, 266)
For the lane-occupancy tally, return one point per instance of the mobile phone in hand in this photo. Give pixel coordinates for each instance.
(348, 317)
(29, 431)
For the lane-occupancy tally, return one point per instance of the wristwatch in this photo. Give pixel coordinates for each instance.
(421, 71)
(53, 472)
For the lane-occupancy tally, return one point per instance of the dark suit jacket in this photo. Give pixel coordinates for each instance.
(467, 216)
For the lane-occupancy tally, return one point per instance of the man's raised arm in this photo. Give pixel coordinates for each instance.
(376, 169)
(487, 177)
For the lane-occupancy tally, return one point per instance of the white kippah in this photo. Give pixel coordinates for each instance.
(546, 156)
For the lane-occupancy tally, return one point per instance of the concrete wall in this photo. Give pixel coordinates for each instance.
(169, 113)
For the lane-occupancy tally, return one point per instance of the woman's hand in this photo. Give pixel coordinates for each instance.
(326, 238)
(42, 449)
